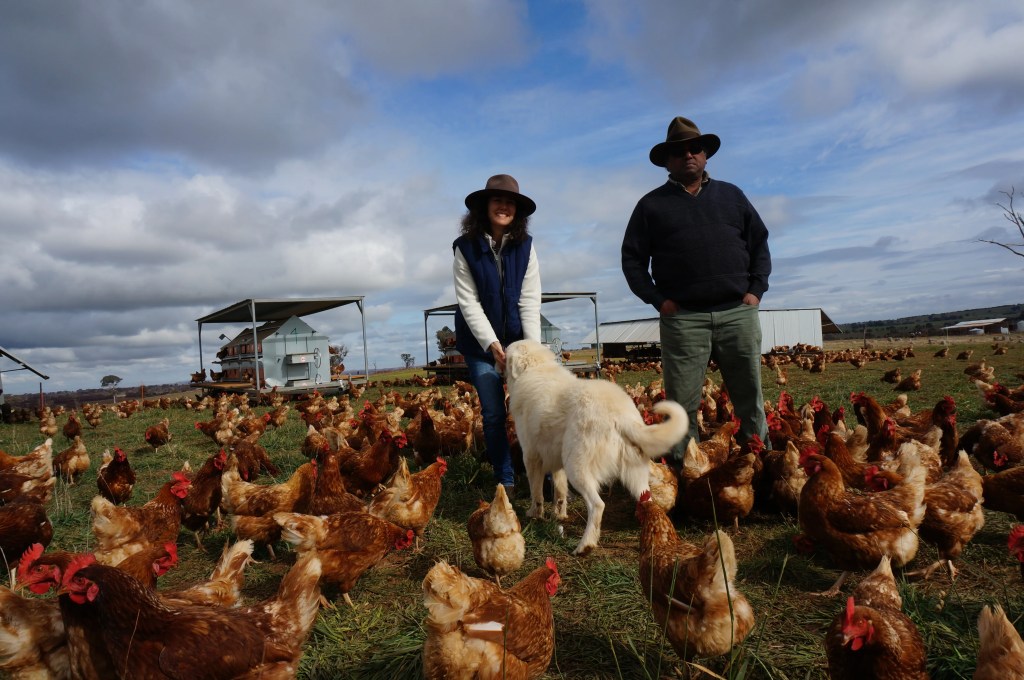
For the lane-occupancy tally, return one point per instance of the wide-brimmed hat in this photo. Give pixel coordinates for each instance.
(683, 130)
(502, 185)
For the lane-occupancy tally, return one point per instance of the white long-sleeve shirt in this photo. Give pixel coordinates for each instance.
(468, 298)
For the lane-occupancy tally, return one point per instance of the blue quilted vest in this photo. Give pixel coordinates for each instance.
(499, 299)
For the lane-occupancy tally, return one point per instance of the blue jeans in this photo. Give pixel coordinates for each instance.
(732, 337)
(491, 390)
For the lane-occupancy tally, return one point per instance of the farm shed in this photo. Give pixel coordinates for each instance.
(284, 351)
(641, 338)
(984, 325)
(22, 366)
(549, 332)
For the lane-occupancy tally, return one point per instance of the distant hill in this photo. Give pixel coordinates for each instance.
(75, 398)
(929, 324)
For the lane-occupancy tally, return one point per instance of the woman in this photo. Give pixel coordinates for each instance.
(497, 285)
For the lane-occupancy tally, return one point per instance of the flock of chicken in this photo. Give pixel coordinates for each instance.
(864, 497)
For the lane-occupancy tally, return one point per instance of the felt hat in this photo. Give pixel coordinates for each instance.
(502, 185)
(681, 131)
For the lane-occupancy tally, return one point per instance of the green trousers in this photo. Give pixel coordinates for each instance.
(732, 338)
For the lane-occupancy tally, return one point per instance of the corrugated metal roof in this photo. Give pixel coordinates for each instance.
(637, 331)
(974, 324)
(276, 309)
(626, 332)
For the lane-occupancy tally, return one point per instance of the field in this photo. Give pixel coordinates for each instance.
(603, 625)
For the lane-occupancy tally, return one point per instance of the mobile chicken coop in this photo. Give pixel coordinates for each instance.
(280, 351)
(451, 367)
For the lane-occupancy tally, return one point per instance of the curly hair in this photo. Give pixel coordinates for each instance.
(476, 223)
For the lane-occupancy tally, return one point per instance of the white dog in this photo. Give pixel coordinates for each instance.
(587, 430)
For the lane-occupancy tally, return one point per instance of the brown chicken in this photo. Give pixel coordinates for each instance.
(348, 543)
(475, 629)
(87, 657)
(368, 468)
(1000, 649)
(1004, 491)
(70, 463)
(494, 530)
(251, 458)
(204, 494)
(426, 444)
(264, 640)
(315, 444)
(411, 499)
(690, 588)
(293, 495)
(330, 495)
(121, 531)
(854, 529)
(1004, 404)
(997, 444)
(911, 383)
(36, 463)
(664, 484)
(116, 478)
(146, 566)
(942, 416)
(261, 530)
(253, 425)
(159, 434)
(223, 588)
(29, 477)
(953, 515)
(33, 642)
(48, 424)
(783, 478)
(873, 638)
(72, 428)
(279, 416)
(220, 429)
(22, 523)
(724, 494)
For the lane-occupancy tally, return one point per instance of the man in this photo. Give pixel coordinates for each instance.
(697, 251)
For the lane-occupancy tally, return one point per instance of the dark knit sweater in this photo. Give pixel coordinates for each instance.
(704, 252)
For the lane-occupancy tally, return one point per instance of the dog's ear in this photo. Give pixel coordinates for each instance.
(513, 364)
(517, 360)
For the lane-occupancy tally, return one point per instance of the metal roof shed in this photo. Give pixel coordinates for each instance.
(22, 366)
(449, 310)
(256, 311)
(778, 327)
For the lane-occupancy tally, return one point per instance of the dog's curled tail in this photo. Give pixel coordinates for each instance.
(656, 440)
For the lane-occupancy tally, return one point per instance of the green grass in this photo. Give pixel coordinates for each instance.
(604, 628)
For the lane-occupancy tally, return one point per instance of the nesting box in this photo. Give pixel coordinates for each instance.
(292, 354)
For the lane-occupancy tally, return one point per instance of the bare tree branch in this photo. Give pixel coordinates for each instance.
(1016, 219)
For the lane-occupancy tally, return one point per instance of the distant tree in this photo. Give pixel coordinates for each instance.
(445, 339)
(1016, 219)
(338, 354)
(112, 382)
(408, 359)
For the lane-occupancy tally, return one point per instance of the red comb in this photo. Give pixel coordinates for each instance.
(849, 610)
(35, 550)
(550, 564)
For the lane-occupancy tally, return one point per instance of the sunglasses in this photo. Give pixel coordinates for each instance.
(695, 149)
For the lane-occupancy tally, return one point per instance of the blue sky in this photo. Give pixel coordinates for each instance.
(161, 160)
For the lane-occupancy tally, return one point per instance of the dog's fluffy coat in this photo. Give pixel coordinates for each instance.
(586, 431)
